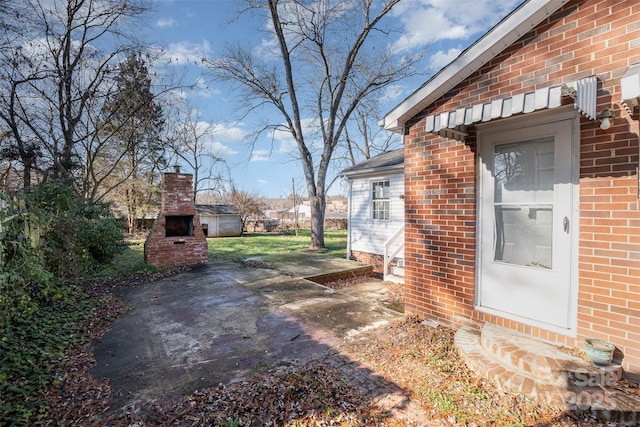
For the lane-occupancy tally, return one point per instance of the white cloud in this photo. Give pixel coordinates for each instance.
(263, 182)
(182, 53)
(424, 26)
(201, 89)
(219, 136)
(267, 49)
(428, 21)
(440, 58)
(260, 156)
(229, 132)
(165, 23)
(213, 138)
(201, 83)
(288, 144)
(219, 148)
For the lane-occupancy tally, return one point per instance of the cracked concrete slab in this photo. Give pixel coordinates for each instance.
(221, 322)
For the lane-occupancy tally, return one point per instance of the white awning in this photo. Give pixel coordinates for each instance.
(453, 124)
(630, 88)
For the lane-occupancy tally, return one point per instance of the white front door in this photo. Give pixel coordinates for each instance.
(527, 227)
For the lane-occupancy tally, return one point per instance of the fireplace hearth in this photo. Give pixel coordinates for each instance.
(176, 237)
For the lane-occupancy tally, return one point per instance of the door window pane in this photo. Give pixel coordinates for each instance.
(523, 202)
(523, 235)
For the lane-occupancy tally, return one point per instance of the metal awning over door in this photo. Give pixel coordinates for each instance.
(453, 124)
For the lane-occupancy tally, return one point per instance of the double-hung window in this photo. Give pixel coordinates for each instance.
(381, 205)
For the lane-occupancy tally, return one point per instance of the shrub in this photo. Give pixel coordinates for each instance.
(25, 287)
(79, 235)
(48, 235)
(24, 281)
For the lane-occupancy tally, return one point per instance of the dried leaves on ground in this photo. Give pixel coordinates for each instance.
(410, 355)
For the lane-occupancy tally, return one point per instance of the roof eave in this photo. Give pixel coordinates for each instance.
(389, 170)
(507, 32)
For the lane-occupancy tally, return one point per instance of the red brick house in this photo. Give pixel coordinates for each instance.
(521, 178)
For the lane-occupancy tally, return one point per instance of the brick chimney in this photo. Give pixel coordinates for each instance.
(176, 237)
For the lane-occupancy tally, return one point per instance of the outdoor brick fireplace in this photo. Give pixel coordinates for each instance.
(176, 237)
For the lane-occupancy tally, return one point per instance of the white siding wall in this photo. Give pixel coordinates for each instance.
(222, 225)
(369, 235)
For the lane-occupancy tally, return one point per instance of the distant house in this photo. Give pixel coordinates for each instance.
(220, 220)
(521, 178)
(376, 212)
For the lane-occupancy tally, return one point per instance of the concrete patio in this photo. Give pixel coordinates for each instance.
(221, 322)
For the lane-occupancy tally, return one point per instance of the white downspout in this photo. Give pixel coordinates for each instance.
(349, 207)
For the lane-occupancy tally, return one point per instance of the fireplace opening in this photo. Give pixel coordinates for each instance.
(179, 225)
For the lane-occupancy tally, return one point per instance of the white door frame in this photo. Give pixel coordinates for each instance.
(511, 124)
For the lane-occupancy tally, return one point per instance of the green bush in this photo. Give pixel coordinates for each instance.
(25, 287)
(79, 236)
(45, 237)
(24, 281)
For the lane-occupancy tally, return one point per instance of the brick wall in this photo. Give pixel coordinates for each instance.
(584, 38)
(177, 200)
(374, 260)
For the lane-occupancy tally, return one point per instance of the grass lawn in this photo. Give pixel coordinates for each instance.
(230, 248)
(250, 245)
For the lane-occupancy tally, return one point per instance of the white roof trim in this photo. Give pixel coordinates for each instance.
(378, 172)
(505, 33)
(453, 124)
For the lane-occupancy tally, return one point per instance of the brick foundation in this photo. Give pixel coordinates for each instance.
(188, 244)
(374, 260)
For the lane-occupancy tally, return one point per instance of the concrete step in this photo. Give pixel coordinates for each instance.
(397, 271)
(393, 278)
(545, 372)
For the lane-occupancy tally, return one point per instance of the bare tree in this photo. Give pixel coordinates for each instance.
(328, 59)
(190, 141)
(368, 139)
(9, 16)
(56, 74)
(250, 205)
(18, 144)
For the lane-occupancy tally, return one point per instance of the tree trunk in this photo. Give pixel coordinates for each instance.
(131, 210)
(317, 222)
(26, 177)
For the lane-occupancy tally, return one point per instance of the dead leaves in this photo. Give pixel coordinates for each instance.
(312, 395)
(344, 389)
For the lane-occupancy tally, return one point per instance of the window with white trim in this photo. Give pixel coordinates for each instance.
(380, 198)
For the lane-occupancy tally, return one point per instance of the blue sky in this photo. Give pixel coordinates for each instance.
(188, 30)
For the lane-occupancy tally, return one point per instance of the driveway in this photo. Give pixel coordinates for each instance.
(222, 322)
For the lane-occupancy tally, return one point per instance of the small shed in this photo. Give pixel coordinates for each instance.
(220, 220)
